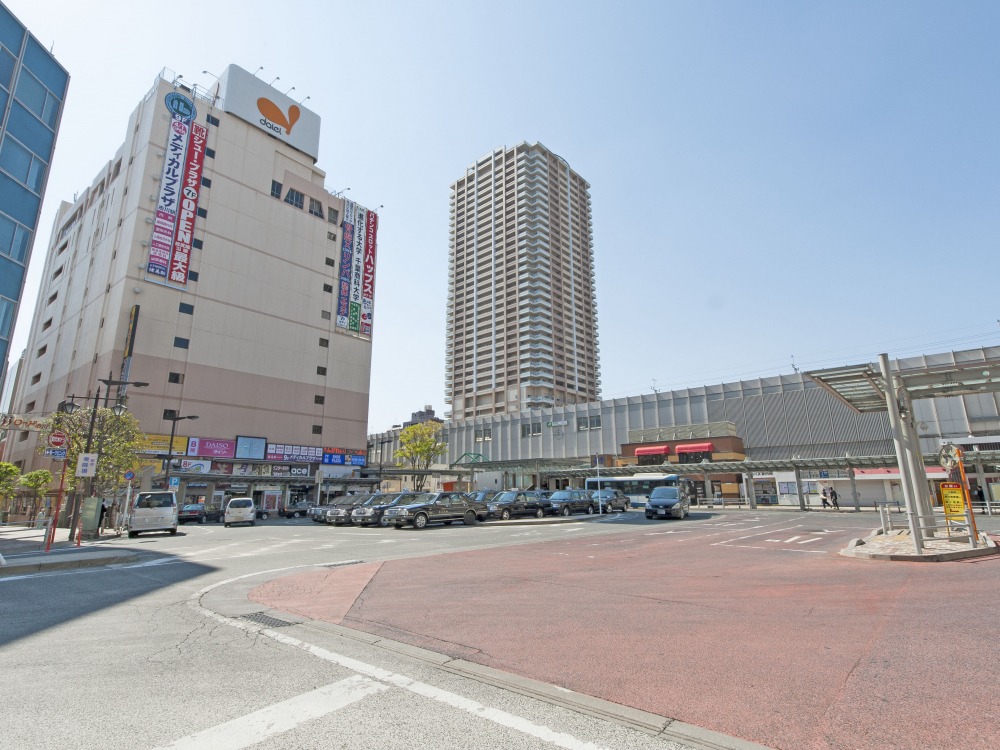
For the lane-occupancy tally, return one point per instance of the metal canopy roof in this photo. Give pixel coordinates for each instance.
(767, 467)
(862, 387)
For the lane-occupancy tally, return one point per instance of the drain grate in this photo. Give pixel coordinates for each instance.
(266, 620)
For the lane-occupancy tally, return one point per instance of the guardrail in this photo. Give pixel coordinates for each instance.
(956, 528)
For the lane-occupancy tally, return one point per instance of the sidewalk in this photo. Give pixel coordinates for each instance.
(64, 558)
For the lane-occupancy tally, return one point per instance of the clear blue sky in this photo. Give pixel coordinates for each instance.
(768, 178)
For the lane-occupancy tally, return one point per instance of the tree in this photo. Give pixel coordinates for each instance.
(35, 482)
(9, 474)
(116, 439)
(419, 445)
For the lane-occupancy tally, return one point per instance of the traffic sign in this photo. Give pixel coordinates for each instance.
(57, 454)
(128, 476)
(86, 465)
(57, 439)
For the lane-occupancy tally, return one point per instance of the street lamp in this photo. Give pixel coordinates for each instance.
(174, 419)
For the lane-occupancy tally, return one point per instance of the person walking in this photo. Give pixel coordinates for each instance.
(824, 495)
(834, 497)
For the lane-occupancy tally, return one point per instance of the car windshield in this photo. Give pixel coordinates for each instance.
(561, 495)
(415, 498)
(664, 493)
(504, 497)
(345, 502)
(605, 493)
(155, 500)
(192, 507)
(242, 503)
(379, 500)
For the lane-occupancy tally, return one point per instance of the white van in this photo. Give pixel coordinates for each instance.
(153, 511)
(240, 510)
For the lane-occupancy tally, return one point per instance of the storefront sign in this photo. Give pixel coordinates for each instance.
(279, 470)
(242, 470)
(167, 203)
(289, 453)
(262, 470)
(357, 269)
(180, 258)
(196, 467)
(368, 275)
(218, 467)
(21, 422)
(250, 448)
(346, 264)
(211, 448)
(953, 499)
(345, 456)
(161, 443)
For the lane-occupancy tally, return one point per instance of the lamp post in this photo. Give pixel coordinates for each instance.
(170, 448)
(71, 407)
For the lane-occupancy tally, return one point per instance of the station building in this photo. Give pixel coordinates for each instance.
(207, 259)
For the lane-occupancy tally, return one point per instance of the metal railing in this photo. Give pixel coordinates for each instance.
(956, 528)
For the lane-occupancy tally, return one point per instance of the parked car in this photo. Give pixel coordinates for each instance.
(482, 496)
(240, 510)
(261, 513)
(210, 514)
(518, 503)
(295, 510)
(565, 502)
(317, 513)
(189, 513)
(668, 502)
(612, 500)
(425, 507)
(339, 514)
(371, 512)
(153, 511)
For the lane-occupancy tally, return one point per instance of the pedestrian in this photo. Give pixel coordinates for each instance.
(981, 496)
(834, 497)
(824, 495)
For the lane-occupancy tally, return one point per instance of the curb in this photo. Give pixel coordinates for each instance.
(73, 560)
(856, 550)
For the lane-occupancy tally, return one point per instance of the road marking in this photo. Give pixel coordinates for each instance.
(517, 723)
(791, 539)
(258, 726)
(814, 539)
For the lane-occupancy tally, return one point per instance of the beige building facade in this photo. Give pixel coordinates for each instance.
(249, 341)
(522, 314)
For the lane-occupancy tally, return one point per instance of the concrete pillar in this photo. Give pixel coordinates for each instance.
(854, 490)
(286, 494)
(912, 509)
(751, 492)
(709, 497)
(915, 459)
(209, 494)
(798, 488)
(181, 490)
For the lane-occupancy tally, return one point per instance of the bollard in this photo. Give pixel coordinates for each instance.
(79, 531)
(972, 532)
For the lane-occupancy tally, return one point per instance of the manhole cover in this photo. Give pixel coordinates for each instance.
(266, 620)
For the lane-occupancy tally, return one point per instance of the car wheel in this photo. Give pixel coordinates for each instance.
(565, 511)
(253, 522)
(384, 522)
(263, 516)
(202, 519)
(420, 521)
(295, 514)
(470, 519)
(133, 534)
(539, 513)
(649, 517)
(227, 525)
(447, 523)
(173, 532)
(590, 510)
(505, 515)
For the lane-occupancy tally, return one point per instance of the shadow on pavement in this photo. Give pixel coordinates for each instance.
(32, 603)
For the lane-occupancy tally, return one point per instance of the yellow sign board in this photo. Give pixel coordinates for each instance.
(953, 499)
(160, 443)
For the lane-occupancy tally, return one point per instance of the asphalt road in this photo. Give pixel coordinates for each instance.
(133, 656)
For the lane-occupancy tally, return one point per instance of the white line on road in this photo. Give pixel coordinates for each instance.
(814, 539)
(791, 539)
(256, 727)
(560, 739)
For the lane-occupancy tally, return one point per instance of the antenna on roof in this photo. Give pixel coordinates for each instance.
(796, 368)
(655, 389)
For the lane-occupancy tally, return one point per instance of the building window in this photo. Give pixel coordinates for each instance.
(210, 153)
(295, 198)
(36, 377)
(186, 308)
(328, 288)
(536, 428)
(487, 433)
(595, 422)
(206, 182)
(479, 436)
(324, 342)
(329, 262)
(203, 213)
(333, 215)
(331, 235)
(175, 377)
(52, 298)
(21, 165)
(41, 351)
(582, 424)
(118, 169)
(525, 430)
(316, 208)
(319, 399)
(198, 244)
(321, 371)
(29, 407)
(275, 189)
(317, 429)
(180, 343)
(212, 121)
(324, 314)
(169, 413)
(45, 326)
(192, 275)
(21, 437)
(58, 273)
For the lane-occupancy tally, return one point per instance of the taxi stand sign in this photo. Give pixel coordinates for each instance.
(86, 465)
(953, 500)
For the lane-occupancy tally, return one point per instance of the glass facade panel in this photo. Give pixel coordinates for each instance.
(45, 68)
(7, 65)
(6, 316)
(11, 32)
(29, 130)
(10, 278)
(17, 201)
(31, 92)
(15, 160)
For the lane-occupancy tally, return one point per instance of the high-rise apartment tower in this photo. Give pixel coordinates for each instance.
(522, 319)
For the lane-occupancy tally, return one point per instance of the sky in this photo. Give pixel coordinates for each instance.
(769, 180)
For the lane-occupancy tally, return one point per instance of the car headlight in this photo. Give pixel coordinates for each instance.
(491, 506)
(649, 506)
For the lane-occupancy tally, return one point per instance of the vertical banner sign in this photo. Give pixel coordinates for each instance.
(368, 279)
(180, 258)
(133, 321)
(357, 268)
(346, 258)
(182, 112)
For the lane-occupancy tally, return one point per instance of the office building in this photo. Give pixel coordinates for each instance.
(207, 259)
(522, 318)
(32, 90)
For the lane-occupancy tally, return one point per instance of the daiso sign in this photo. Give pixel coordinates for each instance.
(211, 448)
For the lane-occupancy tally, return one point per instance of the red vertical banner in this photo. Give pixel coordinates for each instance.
(180, 258)
(368, 277)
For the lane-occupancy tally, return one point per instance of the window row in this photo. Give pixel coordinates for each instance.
(22, 165)
(294, 198)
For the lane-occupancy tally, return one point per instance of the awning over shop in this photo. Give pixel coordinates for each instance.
(694, 448)
(652, 450)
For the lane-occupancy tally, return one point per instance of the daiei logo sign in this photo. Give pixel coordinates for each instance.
(252, 100)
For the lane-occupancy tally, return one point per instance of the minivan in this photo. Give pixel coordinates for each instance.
(240, 510)
(153, 511)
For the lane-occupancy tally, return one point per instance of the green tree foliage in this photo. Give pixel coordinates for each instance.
(9, 474)
(36, 482)
(116, 439)
(419, 445)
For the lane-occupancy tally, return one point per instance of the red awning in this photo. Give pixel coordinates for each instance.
(695, 448)
(652, 450)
